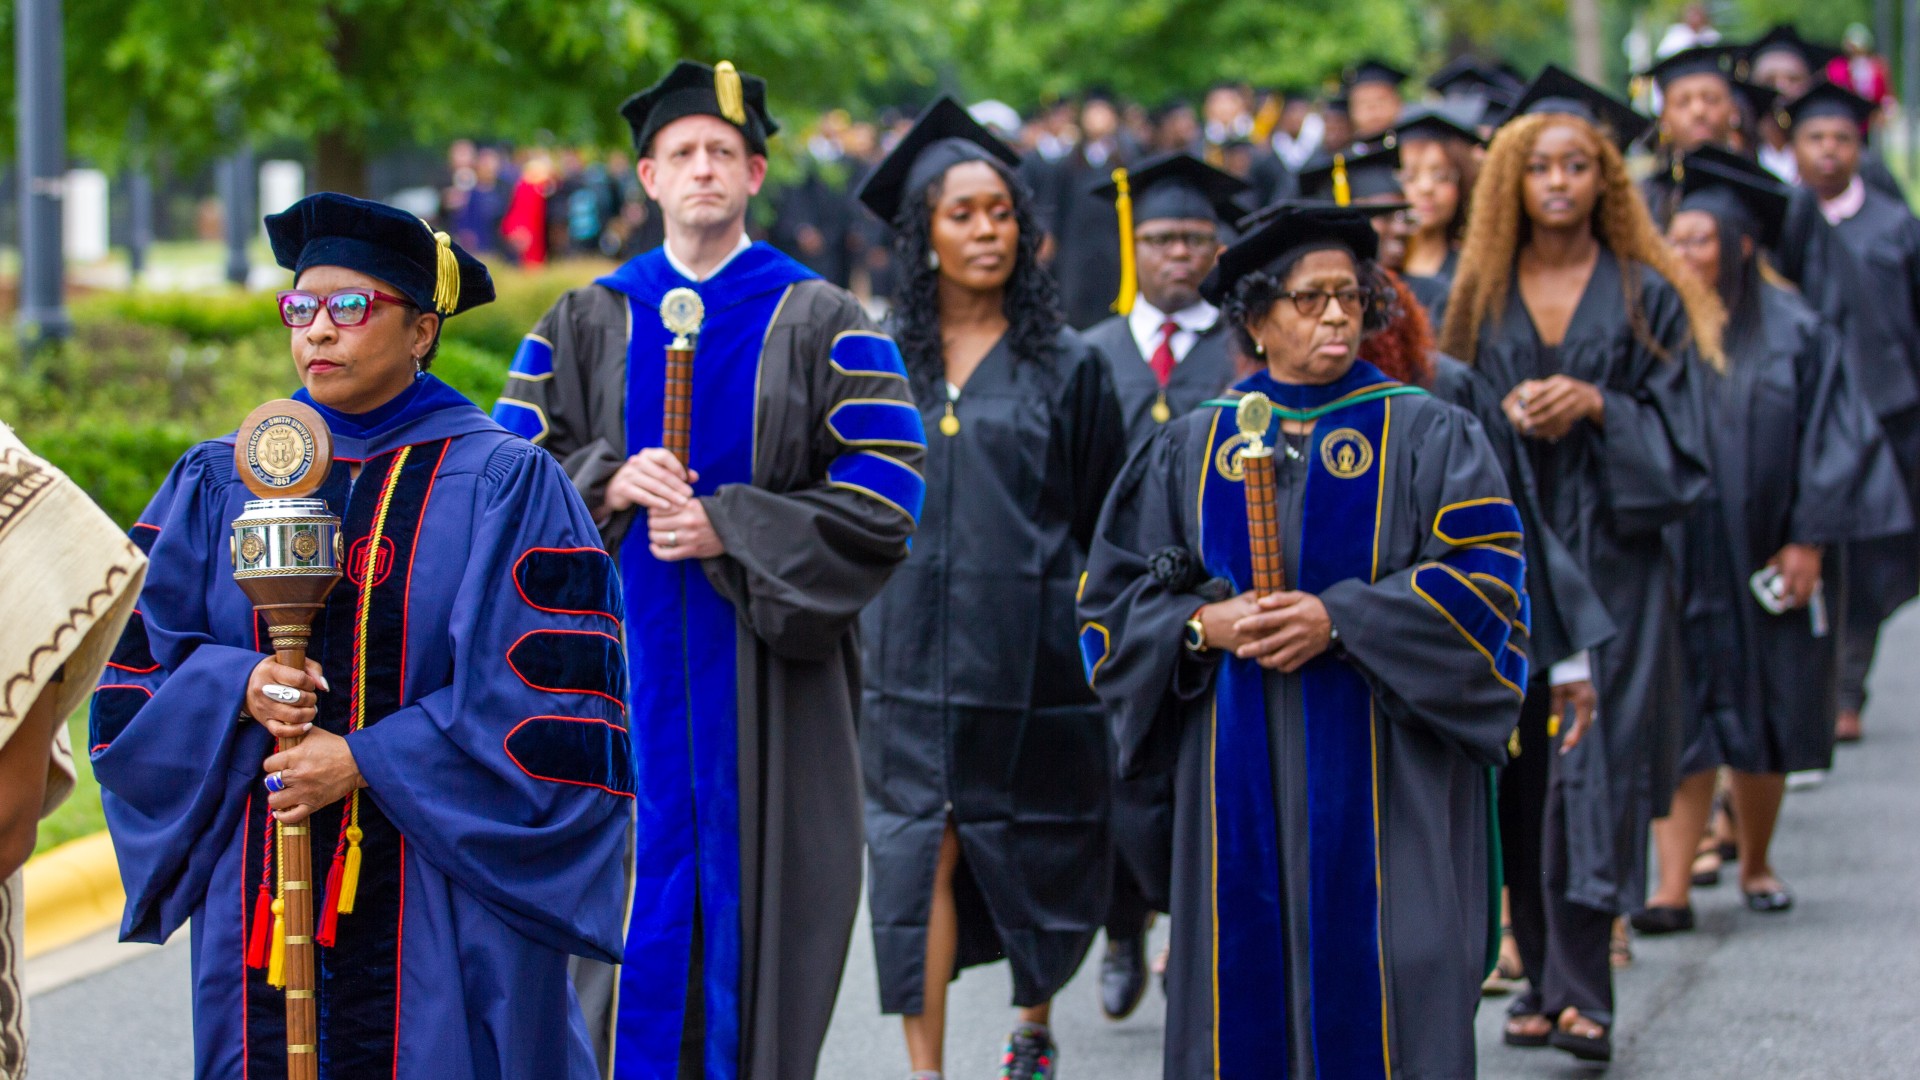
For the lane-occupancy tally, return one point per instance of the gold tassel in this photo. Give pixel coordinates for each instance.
(446, 286)
(350, 875)
(277, 961)
(1129, 277)
(1342, 191)
(733, 97)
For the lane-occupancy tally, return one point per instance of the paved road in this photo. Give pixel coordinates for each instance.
(1827, 991)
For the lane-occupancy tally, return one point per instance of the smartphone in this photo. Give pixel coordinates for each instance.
(1770, 589)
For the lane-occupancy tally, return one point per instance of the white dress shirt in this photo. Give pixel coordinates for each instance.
(681, 268)
(1146, 320)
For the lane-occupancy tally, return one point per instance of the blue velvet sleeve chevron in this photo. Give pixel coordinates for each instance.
(1443, 636)
(519, 410)
(876, 431)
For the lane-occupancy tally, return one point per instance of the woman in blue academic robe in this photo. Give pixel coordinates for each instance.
(465, 771)
(1332, 743)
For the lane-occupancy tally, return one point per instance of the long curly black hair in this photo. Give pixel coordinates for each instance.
(1254, 295)
(1031, 300)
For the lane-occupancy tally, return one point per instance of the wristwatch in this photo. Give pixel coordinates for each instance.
(1196, 634)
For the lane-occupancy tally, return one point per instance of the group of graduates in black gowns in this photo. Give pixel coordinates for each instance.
(1544, 535)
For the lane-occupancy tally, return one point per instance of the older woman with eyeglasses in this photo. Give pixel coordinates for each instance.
(463, 766)
(1331, 740)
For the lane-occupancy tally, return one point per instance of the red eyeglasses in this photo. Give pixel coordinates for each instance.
(348, 307)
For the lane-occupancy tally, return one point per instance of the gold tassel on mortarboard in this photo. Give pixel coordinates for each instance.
(1129, 276)
(446, 284)
(1342, 191)
(726, 87)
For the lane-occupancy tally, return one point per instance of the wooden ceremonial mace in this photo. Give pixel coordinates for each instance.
(1263, 517)
(286, 558)
(681, 311)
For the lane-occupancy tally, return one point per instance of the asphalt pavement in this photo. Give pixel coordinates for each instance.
(1830, 990)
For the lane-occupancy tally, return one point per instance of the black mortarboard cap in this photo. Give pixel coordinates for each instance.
(1556, 90)
(945, 135)
(380, 241)
(1436, 123)
(1372, 70)
(1785, 37)
(1698, 60)
(1338, 103)
(1734, 189)
(1179, 185)
(1286, 231)
(694, 89)
(1469, 77)
(1826, 99)
(1755, 100)
(1366, 175)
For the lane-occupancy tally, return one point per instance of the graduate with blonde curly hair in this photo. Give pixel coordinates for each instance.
(1570, 304)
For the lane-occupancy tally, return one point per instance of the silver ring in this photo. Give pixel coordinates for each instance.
(275, 784)
(285, 695)
(673, 538)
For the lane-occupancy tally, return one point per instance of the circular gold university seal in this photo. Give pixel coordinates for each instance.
(279, 452)
(1346, 453)
(1226, 460)
(305, 545)
(251, 549)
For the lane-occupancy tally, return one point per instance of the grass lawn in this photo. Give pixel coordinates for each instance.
(80, 815)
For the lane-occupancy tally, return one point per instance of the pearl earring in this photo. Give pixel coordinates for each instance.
(933, 260)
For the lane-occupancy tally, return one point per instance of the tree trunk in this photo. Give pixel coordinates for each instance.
(340, 163)
(1589, 53)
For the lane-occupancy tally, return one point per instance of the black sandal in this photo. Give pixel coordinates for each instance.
(1583, 1047)
(1523, 1040)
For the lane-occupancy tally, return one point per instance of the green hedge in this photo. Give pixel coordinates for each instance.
(147, 375)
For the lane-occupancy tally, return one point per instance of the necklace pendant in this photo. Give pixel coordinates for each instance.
(949, 424)
(1161, 413)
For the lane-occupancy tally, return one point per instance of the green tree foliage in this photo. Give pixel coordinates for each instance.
(355, 76)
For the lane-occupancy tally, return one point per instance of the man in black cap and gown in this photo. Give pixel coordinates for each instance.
(744, 569)
(1373, 98)
(1881, 239)
(1167, 349)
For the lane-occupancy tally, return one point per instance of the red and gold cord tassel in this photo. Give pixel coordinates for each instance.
(257, 940)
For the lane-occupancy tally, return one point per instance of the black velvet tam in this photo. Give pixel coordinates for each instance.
(692, 89)
(330, 229)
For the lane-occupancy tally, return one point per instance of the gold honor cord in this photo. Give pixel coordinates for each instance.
(350, 873)
(1129, 273)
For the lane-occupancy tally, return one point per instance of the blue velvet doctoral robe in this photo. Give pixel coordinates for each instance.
(744, 666)
(1333, 867)
(488, 719)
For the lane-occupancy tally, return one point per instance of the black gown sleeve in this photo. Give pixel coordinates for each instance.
(1139, 591)
(1095, 436)
(800, 563)
(1652, 441)
(1847, 484)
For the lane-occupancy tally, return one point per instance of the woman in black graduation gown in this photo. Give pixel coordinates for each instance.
(984, 752)
(1570, 304)
(1799, 464)
(1331, 742)
(1438, 166)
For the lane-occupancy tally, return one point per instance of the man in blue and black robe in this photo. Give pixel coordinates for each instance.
(743, 574)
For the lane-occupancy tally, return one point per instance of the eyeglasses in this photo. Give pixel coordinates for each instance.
(1161, 241)
(1413, 177)
(348, 307)
(1311, 302)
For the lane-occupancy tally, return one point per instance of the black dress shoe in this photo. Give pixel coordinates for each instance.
(1663, 920)
(1123, 977)
(1767, 901)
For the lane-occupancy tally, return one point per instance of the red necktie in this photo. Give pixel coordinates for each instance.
(1162, 360)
